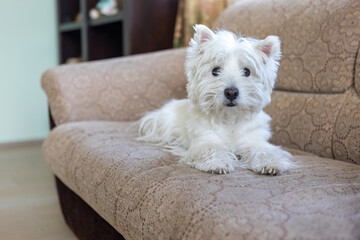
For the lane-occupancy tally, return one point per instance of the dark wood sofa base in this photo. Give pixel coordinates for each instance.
(81, 218)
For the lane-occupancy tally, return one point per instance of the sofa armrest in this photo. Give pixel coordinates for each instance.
(119, 89)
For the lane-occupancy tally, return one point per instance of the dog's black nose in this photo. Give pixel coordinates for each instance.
(231, 93)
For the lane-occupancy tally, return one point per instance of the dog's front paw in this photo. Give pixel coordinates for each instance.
(218, 162)
(274, 161)
(219, 168)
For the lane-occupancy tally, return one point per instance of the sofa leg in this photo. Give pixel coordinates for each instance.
(81, 218)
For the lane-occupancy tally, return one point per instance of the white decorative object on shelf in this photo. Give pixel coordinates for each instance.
(104, 8)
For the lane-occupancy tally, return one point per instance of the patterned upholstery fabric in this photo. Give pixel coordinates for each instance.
(145, 194)
(119, 89)
(346, 137)
(305, 121)
(320, 39)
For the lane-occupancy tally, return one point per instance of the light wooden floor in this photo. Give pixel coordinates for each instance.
(29, 207)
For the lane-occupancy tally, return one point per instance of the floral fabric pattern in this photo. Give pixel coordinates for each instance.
(120, 89)
(144, 193)
(320, 39)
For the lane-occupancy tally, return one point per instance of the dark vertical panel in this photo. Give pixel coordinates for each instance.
(152, 24)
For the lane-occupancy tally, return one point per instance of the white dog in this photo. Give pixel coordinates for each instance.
(221, 125)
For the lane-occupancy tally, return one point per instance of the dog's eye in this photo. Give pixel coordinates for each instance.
(246, 72)
(216, 71)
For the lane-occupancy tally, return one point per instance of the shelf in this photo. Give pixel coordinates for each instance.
(69, 26)
(117, 35)
(67, 10)
(70, 44)
(107, 19)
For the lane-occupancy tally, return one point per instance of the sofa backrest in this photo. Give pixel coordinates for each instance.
(316, 105)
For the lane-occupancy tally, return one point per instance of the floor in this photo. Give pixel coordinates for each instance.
(29, 208)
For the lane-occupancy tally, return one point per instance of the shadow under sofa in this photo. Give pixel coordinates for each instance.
(113, 187)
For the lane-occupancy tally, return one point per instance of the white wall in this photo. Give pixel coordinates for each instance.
(28, 46)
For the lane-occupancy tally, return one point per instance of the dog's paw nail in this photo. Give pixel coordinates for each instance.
(269, 171)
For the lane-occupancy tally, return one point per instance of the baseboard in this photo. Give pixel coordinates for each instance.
(30, 143)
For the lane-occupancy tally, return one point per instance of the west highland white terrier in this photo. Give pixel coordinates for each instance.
(222, 125)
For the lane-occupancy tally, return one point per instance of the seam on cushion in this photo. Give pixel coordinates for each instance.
(357, 70)
(347, 94)
(319, 93)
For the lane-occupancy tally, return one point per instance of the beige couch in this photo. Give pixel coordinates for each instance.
(143, 193)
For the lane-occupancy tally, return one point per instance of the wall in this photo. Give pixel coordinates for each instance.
(28, 46)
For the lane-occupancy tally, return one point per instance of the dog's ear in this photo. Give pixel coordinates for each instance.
(270, 46)
(202, 34)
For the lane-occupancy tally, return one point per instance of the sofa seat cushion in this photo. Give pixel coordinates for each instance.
(144, 193)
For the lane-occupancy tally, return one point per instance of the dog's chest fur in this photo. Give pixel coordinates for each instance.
(190, 121)
(239, 133)
(230, 134)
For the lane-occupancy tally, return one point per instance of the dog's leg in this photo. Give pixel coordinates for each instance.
(209, 156)
(265, 158)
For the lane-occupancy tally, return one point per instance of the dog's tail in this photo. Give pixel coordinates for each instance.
(150, 129)
(161, 127)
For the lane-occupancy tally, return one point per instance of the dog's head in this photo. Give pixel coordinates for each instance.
(230, 74)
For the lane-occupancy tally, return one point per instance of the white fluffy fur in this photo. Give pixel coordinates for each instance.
(203, 130)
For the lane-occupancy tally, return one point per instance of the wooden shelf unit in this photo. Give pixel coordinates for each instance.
(89, 39)
(140, 26)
